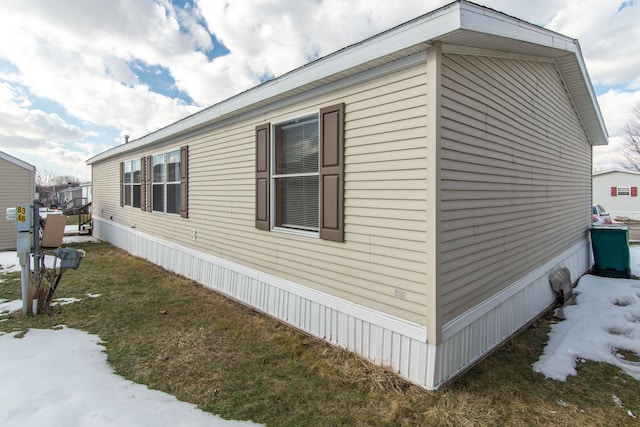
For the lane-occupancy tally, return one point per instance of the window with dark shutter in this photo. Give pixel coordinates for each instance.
(263, 161)
(304, 168)
(331, 169)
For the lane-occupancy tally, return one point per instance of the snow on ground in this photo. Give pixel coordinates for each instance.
(82, 238)
(61, 378)
(8, 262)
(605, 318)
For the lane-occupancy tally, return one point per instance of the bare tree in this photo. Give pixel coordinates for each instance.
(631, 152)
(44, 178)
(48, 185)
(66, 181)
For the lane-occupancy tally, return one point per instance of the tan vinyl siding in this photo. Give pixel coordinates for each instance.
(384, 250)
(17, 187)
(516, 175)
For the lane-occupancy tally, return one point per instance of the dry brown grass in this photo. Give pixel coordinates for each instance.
(163, 330)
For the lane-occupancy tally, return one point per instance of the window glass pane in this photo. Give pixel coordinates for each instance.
(623, 191)
(158, 168)
(296, 145)
(127, 195)
(297, 202)
(173, 198)
(127, 172)
(136, 171)
(173, 166)
(158, 197)
(136, 196)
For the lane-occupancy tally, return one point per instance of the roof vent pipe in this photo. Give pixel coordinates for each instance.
(126, 139)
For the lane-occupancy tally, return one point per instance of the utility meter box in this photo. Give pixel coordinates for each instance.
(22, 216)
(69, 257)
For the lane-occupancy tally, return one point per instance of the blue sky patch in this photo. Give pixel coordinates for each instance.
(7, 67)
(625, 4)
(159, 80)
(188, 6)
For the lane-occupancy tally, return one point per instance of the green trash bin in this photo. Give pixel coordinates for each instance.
(610, 246)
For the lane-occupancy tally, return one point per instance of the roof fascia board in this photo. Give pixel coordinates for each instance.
(456, 16)
(412, 33)
(9, 158)
(372, 73)
(585, 85)
(474, 17)
(616, 170)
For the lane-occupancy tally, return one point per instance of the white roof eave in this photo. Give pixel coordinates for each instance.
(479, 26)
(9, 158)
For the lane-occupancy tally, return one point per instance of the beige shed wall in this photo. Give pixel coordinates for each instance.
(18, 187)
(380, 265)
(516, 175)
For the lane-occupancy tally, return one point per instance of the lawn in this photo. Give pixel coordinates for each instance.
(173, 335)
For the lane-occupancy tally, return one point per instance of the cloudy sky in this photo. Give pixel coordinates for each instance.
(77, 75)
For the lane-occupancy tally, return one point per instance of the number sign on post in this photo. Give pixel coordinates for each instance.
(23, 218)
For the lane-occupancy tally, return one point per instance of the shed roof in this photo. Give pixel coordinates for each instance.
(606, 172)
(460, 23)
(17, 162)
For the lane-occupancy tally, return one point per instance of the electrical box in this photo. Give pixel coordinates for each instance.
(23, 243)
(69, 257)
(23, 216)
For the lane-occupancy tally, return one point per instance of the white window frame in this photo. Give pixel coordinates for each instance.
(624, 191)
(274, 177)
(164, 182)
(128, 187)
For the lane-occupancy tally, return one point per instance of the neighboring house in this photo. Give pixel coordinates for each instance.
(386, 198)
(17, 187)
(81, 194)
(617, 191)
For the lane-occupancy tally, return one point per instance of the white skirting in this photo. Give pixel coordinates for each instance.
(379, 337)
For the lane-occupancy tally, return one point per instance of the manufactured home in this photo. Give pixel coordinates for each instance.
(388, 198)
(617, 191)
(17, 187)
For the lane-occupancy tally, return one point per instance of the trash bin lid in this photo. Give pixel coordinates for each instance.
(610, 227)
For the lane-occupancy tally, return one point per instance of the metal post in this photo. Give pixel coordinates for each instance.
(25, 275)
(36, 243)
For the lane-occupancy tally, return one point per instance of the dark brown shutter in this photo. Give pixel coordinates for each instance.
(184, 181)
(262, 176)
(331, 165)
(147, 184)
(614, 191)
(143, 186)
(121, 184)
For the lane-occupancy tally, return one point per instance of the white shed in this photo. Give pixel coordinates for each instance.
(617, 191)
(18, 187)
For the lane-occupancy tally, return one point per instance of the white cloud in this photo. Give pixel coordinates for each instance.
(607, 35)
(80, 54)
(274, 37)
(617, 109)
